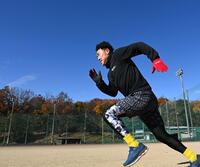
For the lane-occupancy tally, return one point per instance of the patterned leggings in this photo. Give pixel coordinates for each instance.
(143, 104)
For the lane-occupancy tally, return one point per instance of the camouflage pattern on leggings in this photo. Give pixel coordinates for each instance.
(135, 104)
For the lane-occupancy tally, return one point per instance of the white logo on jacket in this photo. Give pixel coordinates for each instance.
(113, 68)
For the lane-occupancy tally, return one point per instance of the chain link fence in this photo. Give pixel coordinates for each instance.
(89, 127)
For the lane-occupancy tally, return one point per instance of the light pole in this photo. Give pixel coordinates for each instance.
(53, 123)
(179, 73)
(113, 136)
(85, 126)
(177, 123)
(167, 111)
(132, 126)
(190, 114)
(102, 131)
(10, 122)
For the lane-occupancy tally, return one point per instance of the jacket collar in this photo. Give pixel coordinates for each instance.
(108, 63)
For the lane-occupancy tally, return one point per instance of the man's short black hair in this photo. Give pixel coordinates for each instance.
(104, 45)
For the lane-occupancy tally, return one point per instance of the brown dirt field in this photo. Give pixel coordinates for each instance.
(159, 155)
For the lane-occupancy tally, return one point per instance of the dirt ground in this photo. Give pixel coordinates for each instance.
(159, 155)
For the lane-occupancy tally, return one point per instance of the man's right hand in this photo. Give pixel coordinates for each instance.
(95, 77)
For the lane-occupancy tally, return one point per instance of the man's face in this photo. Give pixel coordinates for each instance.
(102, 55)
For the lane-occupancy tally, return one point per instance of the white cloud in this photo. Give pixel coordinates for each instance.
(22, 80)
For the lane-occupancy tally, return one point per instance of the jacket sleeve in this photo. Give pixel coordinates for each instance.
(135, 49)
(109, 89)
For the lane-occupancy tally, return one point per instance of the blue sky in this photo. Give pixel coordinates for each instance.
(49, 46)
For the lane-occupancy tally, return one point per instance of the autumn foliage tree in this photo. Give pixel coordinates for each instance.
(162, 101)
(196, 106)
(102, 105)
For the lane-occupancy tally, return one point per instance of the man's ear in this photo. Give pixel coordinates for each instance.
(107, 51)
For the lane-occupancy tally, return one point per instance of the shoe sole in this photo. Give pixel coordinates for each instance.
(143, 153)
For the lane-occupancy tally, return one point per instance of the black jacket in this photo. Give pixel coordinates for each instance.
(123, 75)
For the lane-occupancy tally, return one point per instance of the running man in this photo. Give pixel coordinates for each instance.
(124, 76)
